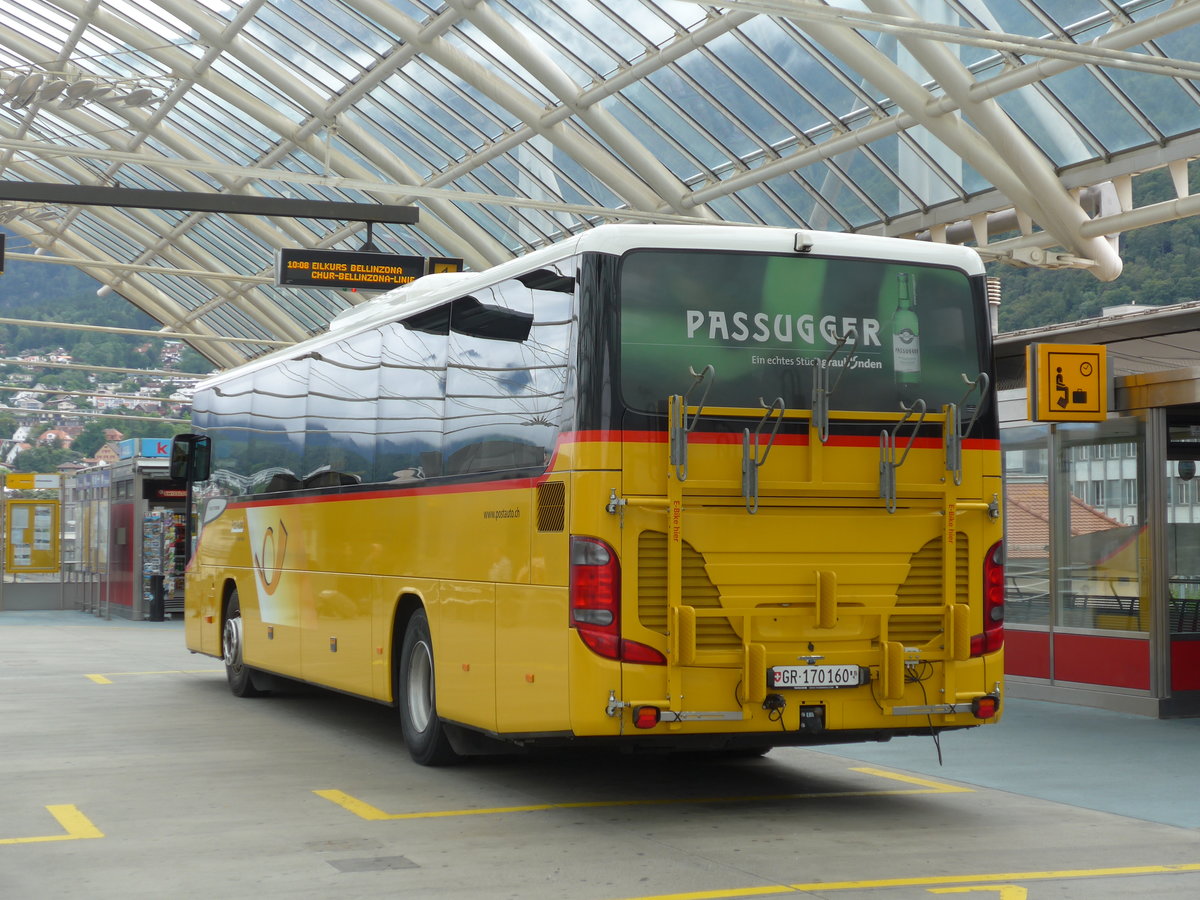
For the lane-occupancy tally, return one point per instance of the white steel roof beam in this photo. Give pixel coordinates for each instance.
(1022, 172)
(633, 152)
(603, 165)
(462, 233)
(82, 21)
(455, 229)
(396, 192)
(1176, 18)
(678, 47)
(907, 24)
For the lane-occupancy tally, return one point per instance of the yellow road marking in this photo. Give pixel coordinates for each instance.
(108, 676)
(1006, 891)
(365, 810)
(939, 787)
(78, 827)
(929, 882)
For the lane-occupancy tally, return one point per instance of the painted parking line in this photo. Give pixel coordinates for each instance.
(365, 810)
(1001, 883)
(77, 826)
(107, 677)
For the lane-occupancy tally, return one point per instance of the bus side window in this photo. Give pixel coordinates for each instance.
(504, 396)
(340, 420)
(224, 414)
(412, 384)
(277, 417)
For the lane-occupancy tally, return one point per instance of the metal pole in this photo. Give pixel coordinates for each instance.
(1158, 590)
(3, 541)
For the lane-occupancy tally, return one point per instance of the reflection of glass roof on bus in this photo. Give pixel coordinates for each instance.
(511, 123)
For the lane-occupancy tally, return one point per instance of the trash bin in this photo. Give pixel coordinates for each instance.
(157, 601)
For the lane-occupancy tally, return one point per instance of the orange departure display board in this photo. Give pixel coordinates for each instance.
(351, 270)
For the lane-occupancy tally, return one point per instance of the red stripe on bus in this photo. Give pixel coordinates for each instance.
(579, 437)
(660, 437)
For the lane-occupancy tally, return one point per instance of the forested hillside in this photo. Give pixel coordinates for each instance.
(1162, 266)
(43, 292)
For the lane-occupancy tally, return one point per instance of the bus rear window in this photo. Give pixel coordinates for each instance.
(763, 322)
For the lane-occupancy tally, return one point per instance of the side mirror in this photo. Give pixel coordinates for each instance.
(191, 457)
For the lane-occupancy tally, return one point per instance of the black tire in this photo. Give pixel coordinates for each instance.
(424, 733)
(240, 675)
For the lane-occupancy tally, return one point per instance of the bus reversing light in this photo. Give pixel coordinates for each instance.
(992, 638)
(595, 598)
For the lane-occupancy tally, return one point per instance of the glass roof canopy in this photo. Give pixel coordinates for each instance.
(1017, 126)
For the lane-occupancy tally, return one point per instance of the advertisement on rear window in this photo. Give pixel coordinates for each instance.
(888, 332)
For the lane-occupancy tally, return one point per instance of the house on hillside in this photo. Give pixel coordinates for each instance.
(108, 453)
(61, 436)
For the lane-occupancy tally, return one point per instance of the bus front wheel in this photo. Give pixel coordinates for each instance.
(424, 734)
(240, 675)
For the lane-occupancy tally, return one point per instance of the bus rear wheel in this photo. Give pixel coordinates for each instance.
(240, 675)
(424, 733)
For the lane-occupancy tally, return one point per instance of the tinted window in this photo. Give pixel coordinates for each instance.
(343, 387)
(277, 436)
(504, 404)
(409, 414)
(764, 321)
(224, 413)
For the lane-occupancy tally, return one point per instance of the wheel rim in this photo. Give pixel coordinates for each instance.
(420, 686)
(231, 643)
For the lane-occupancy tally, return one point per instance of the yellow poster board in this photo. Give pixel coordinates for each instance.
(32, 532)
(28, 481)
(1067, 382)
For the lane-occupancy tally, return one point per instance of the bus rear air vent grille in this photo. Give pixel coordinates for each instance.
(712, 633)
(923, 587)
(551, 506)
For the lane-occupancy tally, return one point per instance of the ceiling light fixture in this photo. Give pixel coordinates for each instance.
(39, 214)
(70, 89)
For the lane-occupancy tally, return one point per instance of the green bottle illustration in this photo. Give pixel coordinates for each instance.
(906, 332)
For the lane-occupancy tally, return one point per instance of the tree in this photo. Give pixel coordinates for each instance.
(91, 438)
(43, 459)
(148, 426)
(191, 361)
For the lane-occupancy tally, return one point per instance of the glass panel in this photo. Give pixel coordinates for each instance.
(873, 181)
(408, 440)
(343, 390)
(1046, 126)
(1183, 528)
(1162, 100)
(1027, 525)
(504, 394)
(277, 442)
(763, 321)
(224, 414)
(1109, 121)
(1100, 537)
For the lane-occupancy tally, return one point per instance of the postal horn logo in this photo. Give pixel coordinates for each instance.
(275, 547)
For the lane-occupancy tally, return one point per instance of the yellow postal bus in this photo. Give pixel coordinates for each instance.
(653, 487)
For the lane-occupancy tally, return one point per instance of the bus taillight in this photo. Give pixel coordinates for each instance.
(992, 638)
(596, 603)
